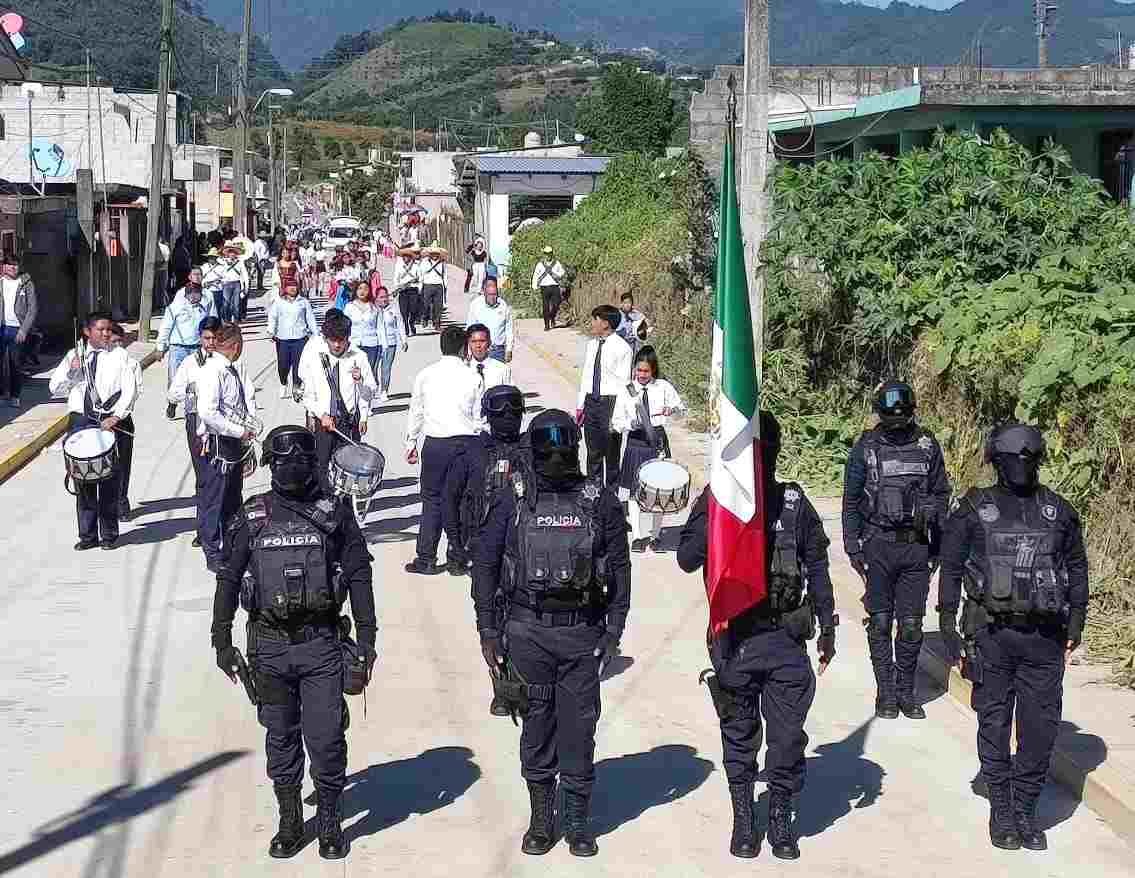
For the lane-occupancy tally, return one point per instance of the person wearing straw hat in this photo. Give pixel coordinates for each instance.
(433, 268)
(407, 283)
(546, 278)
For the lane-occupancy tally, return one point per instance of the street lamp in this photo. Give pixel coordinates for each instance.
(279, 92)
(276, 92)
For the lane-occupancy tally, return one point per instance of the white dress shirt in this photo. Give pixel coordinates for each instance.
(433, 272)
(407, 274)
(114, 373)
(221, 395)
(443, 402)
(498, 319)
(184, 386)
(545, 275)
(316, 387)
(661, 395)
(615, 368)
(493, 373)
(391, 329)
(223, 272)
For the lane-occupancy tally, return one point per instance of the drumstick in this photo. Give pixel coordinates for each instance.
(348, 438)
(119, 429)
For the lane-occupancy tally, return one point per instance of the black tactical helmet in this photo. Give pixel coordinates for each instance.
(289, 450)
(1019, 440)
(500, 399)
(551, 431)
(894, 403)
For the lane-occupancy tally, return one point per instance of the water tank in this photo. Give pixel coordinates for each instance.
(532, 140)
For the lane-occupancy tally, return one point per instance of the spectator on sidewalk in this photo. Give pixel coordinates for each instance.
(18, 307)
(260, 259)
(180, 332)
(633, 329)
(489, 309)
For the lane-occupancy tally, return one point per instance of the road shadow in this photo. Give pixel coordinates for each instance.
(394, 396)
(391, 530)
(392, 792)
(840, 779)
(157, 531)
(401, 482)
(386, 409)
(381, 502)
(115, 806)
(152, 507)
(617, 665)
(627, 786)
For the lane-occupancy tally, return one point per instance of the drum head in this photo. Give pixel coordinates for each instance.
(663, 475)
(360, 460)
(88, 442)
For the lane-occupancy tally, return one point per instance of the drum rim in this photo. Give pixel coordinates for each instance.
(99, 431)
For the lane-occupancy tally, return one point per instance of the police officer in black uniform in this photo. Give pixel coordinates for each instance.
(895, 495)
(761, 661)
(305, 553)
(1019, 550)
(560, 558)
(499, 460)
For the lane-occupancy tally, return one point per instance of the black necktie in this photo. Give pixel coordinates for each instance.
(240, 390)
(646, 404)
(597, 371)
(481, 373)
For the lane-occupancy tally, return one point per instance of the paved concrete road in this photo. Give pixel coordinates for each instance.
(126, 753)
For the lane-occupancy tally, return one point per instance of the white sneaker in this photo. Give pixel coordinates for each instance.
(284, 394)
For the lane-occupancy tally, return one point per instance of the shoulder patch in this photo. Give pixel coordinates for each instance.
(590, 491)
(925, 443)
(1048, 510)
(791, 495)
(988, 513)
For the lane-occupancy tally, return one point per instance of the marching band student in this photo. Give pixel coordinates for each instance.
(407, 283)
(125, 440)
(641, 414)
(184, 390)
(224, 404)
(433, 268)
(338, 385)
(606, 373)
(490, 373)
(101, 388)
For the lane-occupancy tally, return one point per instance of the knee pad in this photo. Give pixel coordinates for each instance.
(910, 629)
(879, 624)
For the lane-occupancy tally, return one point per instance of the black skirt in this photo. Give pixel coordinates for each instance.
(638, 452)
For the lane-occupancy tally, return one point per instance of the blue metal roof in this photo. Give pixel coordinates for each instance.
(515, 164)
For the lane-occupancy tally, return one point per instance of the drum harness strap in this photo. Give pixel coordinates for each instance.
(546, 272)
(219, 460)
(339, 411)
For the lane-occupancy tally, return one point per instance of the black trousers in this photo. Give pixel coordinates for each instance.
(195, 458)
(301, 692)
(125, 445)
(769, 675)
(558, 737)
(603, 445)
(96, 503)
(438, 458)
(409, 304)
(326, 444)
(433, 296)
(288, 352)
(552, 298)
(219, 498)
(898, 584)
(1023, 674)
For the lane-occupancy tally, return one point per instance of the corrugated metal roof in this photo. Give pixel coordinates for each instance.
(510, 164)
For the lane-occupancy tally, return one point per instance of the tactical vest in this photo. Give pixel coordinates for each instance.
(191, 386)
(786, 579)
(289, 564)
(556, 546)
(897, 480)
(1022, 571)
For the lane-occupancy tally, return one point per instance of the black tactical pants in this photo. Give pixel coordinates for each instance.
(898, 584)
(559, 732)
(767, 674)
(301, 693)
(1023, 670)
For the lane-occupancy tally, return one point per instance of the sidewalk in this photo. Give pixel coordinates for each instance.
(1095, 751)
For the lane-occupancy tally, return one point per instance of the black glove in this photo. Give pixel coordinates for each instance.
(948, 628)
(859, 565)
(371, 655)
(492, 648)
(227, 659)
(607, 649)
(1076, 618)
(825, 645)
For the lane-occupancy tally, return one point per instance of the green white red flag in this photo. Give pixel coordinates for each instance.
(735, 577)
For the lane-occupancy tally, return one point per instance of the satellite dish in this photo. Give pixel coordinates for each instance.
(50, 159)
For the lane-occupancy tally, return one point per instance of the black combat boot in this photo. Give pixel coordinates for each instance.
(907, 703)
(329, 816)
(581, 843)
(289, 840)
(541, 835)
(780, 835)
(1002, 823)
(1024, 810)
(882, 662)
(744, 841)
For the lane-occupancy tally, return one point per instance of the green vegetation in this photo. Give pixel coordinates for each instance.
(1002, 284)
(632, 112)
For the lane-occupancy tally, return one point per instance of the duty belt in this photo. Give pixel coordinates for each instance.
(1026, 621)
(300, 634)
(902, 535)
(557, 619)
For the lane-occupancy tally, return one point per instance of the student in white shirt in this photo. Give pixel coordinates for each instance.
(100, 386)
(645, 438)
(338, 385)
(432, 273)
(229, 277)
(490, 310)
(184, 390)
(125, 441)
(442, 419)
(606, 373)
(407, 284)
(490, 373)
(547, 278)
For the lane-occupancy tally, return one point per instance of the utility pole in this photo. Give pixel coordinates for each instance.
(240, 210)
(157, 176)
(754, 158)
(271, 173)
(1044, 13)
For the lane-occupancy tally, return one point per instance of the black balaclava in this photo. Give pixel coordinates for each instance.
(894, 404)
(503, 407)
(1016, 452)
(555, 448)
(769, 446)
(293, 473)
(505, 427)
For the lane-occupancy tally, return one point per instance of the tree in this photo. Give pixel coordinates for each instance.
(631, 112)
(368, 193)
(302, 144)
(331, 148)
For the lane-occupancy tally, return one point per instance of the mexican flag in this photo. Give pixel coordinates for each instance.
(735, 577)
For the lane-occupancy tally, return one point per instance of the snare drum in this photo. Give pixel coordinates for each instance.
(662, 486)
(356, 470)
(89, 455)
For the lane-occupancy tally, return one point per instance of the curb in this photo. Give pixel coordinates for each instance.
(19, 458)
(1102, 789)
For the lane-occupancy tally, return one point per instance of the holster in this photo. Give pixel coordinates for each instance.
(355, 677)
(516, 693)
(972, 667)
(725, 703)
(801, 622)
